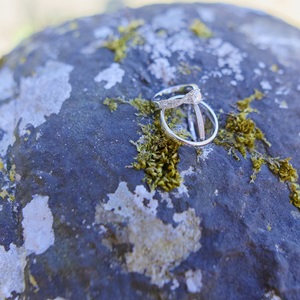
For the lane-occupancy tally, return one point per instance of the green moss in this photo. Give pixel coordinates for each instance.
(244, 105)
(127, 34)
(274, 68)
(241, 135)
(158, 157)
(144, 107)
(2, 61)
(113, 103)
(9, 175)
(200, 29)
(283, 169)
(295, 194)
(157, 154)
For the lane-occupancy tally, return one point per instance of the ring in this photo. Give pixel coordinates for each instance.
(190, 94)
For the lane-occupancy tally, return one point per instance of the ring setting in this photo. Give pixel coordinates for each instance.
(188, 95)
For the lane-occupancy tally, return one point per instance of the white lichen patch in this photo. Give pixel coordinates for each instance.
(271, 296)
(12, 265)
(182, 189)
(194, 281)
(206, 14)
(157, 247)
(172, 20)
(266, 85)
(228, 56)
(40, 96)
(112, 75)
(282, 104)
(295, 214)
(269, 34)
(101, 35)
(37, 225)
(205, 152)
(7, 83)
(162, 69)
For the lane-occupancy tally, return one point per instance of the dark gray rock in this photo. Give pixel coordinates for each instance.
(83, 226)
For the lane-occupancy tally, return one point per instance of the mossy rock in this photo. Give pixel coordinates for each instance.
(77, 221)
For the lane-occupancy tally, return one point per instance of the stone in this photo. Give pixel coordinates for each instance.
(77, 221)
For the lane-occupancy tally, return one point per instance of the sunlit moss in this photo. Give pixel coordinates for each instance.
(144, 107)
(127, 34)
(2, 61)
(113, 103)
(274, 68)
(200, 29)
(295, 194)
(241, 135)
(157, 154)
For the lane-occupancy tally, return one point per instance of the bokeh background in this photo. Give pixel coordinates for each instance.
(20, 18)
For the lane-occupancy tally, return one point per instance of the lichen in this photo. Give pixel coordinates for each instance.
(127, 34)
(241, 135)
(200, 29)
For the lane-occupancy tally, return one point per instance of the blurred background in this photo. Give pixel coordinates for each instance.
(20, 18)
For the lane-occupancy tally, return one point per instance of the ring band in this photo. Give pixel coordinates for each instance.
(194, 98)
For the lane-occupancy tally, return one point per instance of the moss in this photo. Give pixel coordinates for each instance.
(4, 194)
(12, 173)
(244, 105)
(283, 169)
(274, 68)
(144, 107)
(126, 34)
(157, 154)
(241, 135)
(200, 29)
(2, 61)
(257, 163)
(158, 157)
(113, 103)
(9, 180)
(295, 194)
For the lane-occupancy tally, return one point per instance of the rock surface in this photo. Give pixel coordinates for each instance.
(76, 223)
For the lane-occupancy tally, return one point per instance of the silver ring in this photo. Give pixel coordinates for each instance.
(193, 98)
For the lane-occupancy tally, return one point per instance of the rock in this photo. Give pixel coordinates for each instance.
(77, 223)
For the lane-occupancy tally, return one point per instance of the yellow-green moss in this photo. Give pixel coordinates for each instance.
(274, 68)
(9, 175)
(2, 61)
(126, 34)
(158, 157)
(241, 135)
(144, 107)
(200, 29)
(113, 103)
(157, 154)
(295, 194)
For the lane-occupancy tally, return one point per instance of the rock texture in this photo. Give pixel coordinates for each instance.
(101, 234)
